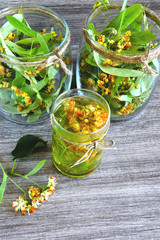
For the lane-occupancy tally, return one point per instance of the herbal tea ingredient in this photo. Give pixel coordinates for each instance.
(125, 86)
(27, 91)
(33, 198)
(81, 115)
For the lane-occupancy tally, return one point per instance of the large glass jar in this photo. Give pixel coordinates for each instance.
(123, 67)
(35, 62)
(78, 153)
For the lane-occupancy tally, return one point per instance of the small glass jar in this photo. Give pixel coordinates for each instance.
(78, 154)
(126, 79)
(31, 79)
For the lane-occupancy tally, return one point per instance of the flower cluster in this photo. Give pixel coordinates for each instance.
(122, 43)
(125, 110)
(25, 99)
(11, 36)
(99, 3)
(84, 116)
(50, 87)
(4, 84)
(109, 62)
(36, 198)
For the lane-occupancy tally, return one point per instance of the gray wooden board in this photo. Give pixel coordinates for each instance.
(121, 200)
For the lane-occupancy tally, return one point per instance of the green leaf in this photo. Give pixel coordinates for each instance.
(3, 185)
(143, 37)
(36, 169)
(125, 98)
(26, 145)
(123, 15)
(21, 26)
(52, 72)
(92, 28)
(31, 41)
(90, 60)
(131, 13)
(121, 72)
(43, 44)
(8, 28)
(137, 24)
(20, 50)
(19, 80)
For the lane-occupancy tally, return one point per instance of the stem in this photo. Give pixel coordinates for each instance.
(19, 175)
(17, 186)
(13, 166)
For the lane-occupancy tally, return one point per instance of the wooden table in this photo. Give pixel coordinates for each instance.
(121, 200)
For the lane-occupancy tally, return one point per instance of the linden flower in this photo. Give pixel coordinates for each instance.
(52, 183)
(100, 83)
(36, 203)
(20, 205)
(90, 82)
(33, 192)
(101, 39)
(29, 209)
(46, 194)
(97, 4)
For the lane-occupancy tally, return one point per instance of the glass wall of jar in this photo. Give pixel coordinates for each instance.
(119, 57)
(35, 62)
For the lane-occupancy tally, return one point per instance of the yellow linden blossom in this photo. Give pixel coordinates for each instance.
(154, 45)
(101, 39)
(100, 83)
(53, 34)
(106, 91)
(128, 33)
(120, 46)
(50, 87)
(83, 63)
(29, 73)
(2, 70)
(109, 62)
(103, 76)
(43, 31)
(68, 61)
(97, 4)
(24, 95)
(125, 110)
(4, 85)
(11, 37)
(111, 41)
(90, 82)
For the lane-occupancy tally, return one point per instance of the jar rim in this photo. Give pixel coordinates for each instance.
(36, 7)
(97, 10)
(83, 90)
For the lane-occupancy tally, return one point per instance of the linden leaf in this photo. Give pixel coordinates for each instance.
(36, 169)
(26, 145)
(3, 185)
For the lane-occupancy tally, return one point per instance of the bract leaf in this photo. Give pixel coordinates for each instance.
(36, 169)
(142, 37)
(121, 72)
(8, 28)
(43, 44)
(21, 26)
(130, 14)
(3, 185)
(26, 145)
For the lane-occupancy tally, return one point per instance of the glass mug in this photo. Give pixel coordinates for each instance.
(78, 153)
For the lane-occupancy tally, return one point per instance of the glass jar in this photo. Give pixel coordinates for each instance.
(78, 154)
(35, 62)
(124, 75)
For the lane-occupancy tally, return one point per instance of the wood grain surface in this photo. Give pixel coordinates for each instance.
(121, 200)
